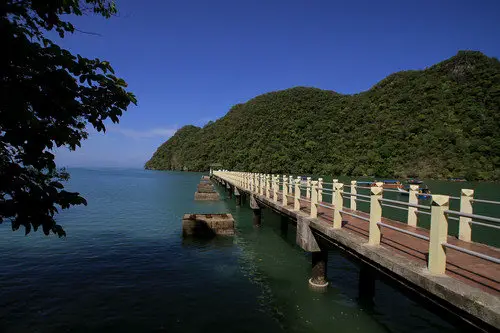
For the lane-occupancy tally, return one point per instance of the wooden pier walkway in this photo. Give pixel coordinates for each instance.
(474, 271)
(464, 276)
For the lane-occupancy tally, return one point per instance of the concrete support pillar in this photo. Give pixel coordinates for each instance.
(238, 196)
(320, 190)
(308, 189)
(375, 215)
(366, 286)
(296, 201)
(412, 211)
(284, 198)
(257, 213)
(257, 217)
(284, 225)
(230, 191)
(354, 191)
(338, 204)
(464, 229)
(438, 234)
(318, 280)
(314, 199)
(290, 184)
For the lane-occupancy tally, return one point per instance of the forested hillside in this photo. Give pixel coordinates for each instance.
(440, 122)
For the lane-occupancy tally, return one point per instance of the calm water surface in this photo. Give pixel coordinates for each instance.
(125, 268)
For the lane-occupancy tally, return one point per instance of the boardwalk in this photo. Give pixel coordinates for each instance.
(470, 285)
(474, 271)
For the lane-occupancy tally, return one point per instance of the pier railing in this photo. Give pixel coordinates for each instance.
(292, 189)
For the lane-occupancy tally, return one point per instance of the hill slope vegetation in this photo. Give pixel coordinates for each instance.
(440, 122)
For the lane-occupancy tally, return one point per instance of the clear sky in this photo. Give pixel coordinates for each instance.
(188, 61)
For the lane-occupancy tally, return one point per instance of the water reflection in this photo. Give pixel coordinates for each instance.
(208, 242)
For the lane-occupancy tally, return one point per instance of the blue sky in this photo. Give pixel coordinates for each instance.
(188, 62)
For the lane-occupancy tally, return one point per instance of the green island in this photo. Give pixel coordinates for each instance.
(440, 122)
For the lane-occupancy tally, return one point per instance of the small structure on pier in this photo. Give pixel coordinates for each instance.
(207, 225)
(214, 166)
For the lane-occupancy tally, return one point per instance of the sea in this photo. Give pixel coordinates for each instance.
(125, 267)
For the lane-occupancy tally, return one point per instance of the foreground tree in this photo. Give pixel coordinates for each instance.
(49, 96)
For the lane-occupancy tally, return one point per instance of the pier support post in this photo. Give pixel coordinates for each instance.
(238, 197)
(366, 286)
(296, 201)
(257, 217)
(338, 204)
(375, 215)
(257, 212)
(412, 211)
(318, 280)
(354, 191)
(284, 224)
(438, 234)
(230, 191)
(464, 229)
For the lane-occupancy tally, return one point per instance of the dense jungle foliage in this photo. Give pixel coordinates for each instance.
(440, 122)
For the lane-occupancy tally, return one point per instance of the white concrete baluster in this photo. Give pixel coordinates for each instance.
(438, 234)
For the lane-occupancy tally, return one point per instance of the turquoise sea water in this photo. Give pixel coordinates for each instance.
(124, 267)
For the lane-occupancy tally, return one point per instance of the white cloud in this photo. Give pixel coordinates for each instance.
(141, 134)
